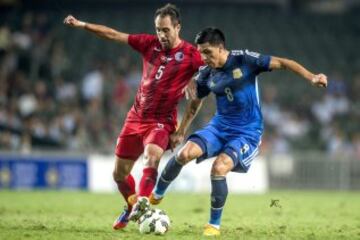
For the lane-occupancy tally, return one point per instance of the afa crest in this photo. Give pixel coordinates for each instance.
(237, 73)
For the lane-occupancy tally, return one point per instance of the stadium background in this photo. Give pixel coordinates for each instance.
(64, 93)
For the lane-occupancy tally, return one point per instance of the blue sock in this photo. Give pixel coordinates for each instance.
(170, 172)
(219, 192)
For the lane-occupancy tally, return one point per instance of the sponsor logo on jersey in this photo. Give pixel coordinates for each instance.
(212, 84)
(165, 59)
(237, 73)
(160, 126)
(179, 56)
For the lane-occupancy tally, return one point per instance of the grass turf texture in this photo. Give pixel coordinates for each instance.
(276, 215)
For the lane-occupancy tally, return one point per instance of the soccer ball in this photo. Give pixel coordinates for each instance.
(154, 221)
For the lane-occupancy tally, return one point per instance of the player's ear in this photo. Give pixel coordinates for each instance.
(178, 27)
(220, 47)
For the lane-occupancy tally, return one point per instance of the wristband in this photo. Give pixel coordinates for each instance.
(82, 24)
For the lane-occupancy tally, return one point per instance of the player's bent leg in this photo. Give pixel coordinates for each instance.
(222, 165)
(126, 186)
(219, 191)
(122, 177)
(172, 169)
(189, 152)
(152, 156)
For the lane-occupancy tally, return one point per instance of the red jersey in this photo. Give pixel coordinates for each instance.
(165, 74)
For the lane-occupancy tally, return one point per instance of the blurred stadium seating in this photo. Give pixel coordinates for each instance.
(64, 89)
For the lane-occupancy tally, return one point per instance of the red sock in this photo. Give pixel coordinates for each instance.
(147, 182)
(127, 188)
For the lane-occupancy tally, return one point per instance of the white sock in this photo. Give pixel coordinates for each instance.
(157, 196)
(215, 226)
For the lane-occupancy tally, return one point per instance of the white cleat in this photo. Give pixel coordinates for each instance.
(139, 208)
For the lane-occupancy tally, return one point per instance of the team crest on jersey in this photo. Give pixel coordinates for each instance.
(179, 56)
(237, 73)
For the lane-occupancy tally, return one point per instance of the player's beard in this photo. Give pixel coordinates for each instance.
(165, 45)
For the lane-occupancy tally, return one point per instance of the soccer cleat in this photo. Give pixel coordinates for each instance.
(123, 220)
(153, 200)
(210, 230)
(139, 208)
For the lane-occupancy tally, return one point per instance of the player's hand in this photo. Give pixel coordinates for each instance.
(190, 90)
(319, 80)
(73, 22)
(175, 139)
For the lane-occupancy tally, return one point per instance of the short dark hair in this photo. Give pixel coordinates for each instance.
(169, 10)
(211, 35)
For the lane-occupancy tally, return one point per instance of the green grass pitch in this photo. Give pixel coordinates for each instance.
(276, 215)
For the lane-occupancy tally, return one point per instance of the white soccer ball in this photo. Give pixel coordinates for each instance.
(154, 221)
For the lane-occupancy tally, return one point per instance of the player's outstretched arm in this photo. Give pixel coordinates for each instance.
(99, 30)
(319, 80)
(191, 111)
(190, 90)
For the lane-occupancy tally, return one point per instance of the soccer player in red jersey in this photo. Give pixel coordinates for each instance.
(168, 65)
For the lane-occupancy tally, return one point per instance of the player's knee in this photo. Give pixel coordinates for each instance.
(218, 169)
(120, 173)
(119, 176)
(151, 160)
(184, 156)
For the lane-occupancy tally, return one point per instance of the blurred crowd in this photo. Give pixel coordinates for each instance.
(43, 107)
(329, 123)
(40, 108)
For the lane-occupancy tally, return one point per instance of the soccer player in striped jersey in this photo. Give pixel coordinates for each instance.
(168, 65)
(234, 134)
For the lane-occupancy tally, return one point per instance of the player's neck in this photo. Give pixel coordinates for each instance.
(176, 43)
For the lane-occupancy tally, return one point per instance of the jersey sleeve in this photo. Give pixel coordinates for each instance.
(140, 42)
(201, 79)
(197, 61)
(257, 62)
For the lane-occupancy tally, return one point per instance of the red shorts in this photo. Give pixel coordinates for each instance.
(135, 136)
